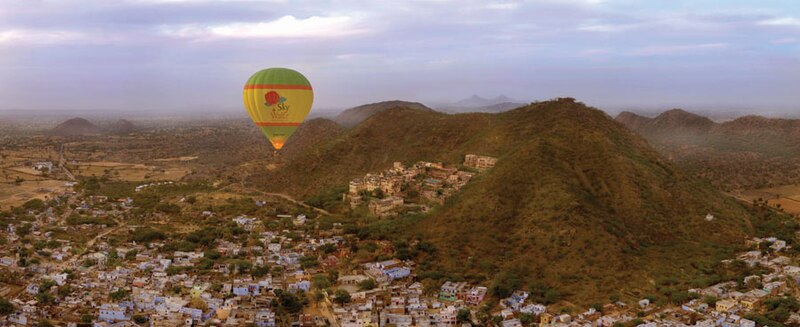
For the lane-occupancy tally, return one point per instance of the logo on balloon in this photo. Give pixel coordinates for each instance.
(277, 105)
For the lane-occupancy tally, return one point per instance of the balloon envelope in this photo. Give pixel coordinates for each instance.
(278, 100)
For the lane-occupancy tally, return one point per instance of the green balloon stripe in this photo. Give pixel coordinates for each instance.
(283, 76)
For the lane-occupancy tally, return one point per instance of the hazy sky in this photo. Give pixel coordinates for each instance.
(197, 54)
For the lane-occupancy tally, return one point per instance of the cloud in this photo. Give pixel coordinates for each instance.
(582, 3)
(198, 1)
(781, 21)
(284, 27)
(472, 43)
(605, 28)
(788, 40)
(39, 37)
(667, 50)
(503, 5)
(596, 51)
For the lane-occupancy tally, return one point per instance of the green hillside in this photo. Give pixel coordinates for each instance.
(353, 116)
(749, 152)
(576, 203)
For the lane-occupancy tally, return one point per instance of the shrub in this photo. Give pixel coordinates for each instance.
(367, 284)
(505, 284)
(341, 297)
(6, 307)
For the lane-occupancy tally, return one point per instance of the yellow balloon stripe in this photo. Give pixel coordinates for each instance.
(294, 109)
(276, 108)
(278, 100)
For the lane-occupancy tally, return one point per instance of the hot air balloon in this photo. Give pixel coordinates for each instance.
(278, 100)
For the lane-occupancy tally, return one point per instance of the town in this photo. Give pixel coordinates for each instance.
(80, 258)
(388, 192)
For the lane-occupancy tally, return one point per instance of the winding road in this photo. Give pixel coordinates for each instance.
(62, 164)
(298, 202)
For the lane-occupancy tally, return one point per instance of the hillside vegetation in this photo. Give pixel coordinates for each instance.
(745, 153)
(351, 117)
(576, 204)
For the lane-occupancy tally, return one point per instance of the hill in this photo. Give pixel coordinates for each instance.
(477, 103)
(633, 121)
(577, 202)
(768, 136)
(310, 134)
(500, 107)
(75, 127)
(353, 116)
(494, 108)
(748, 152)
(122, 126)
(672, 123)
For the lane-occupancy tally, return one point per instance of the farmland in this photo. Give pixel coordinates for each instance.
(786, 196)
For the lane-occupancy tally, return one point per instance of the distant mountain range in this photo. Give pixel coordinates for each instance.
(476, 103)
(122, 126)
(351, 117)
(747, 152)
(576, 202)
(82, 127)
(767, 136)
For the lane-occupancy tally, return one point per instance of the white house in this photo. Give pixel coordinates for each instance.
(112, 312)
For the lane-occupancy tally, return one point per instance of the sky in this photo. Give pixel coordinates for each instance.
(195, 55)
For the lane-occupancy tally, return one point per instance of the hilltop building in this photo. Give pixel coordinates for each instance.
(479, 162)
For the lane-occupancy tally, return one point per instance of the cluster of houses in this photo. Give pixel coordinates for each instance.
(120, 284)
(113, 283)
(141, 187)
(386, 193)
(151, 288)
(43, 166)
(725, 304)
(480, 163)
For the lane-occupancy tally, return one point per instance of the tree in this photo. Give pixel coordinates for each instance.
(46, 285)
(378, 193)
(540, 292)
(6, 307)
(168, 208)
(341, 297)
(320, 281)
(367, 284)
(463, 316)
(119, 294)
(260, 271)
(505, 284)
(45, 298)
(525, 318)
(139, 319)
(308, 262)
(710, 300)
(87, 318)
(289, 302)
(130, 255)
(328, 248)
(24, 230)
(35, 204)
(243, 266)
(64, 290)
